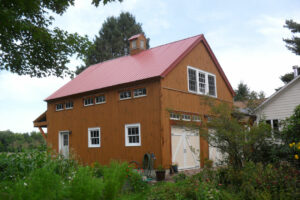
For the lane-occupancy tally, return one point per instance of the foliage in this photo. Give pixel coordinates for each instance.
(237, 142)
(112, 41)
(286, 78)
(17, 142)
(293, 44)
(28, 44)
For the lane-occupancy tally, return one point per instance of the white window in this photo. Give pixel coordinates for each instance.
(133, 43)
(201, 82)
(88, 101)
(132, 135)
(142, 44)
(125, 95)
(100, 99)
(186, 117)
(94, 137)
(69, 105)
(174, 116)
(140, 92)
(192, 80)
(59, 106)
(196, 118)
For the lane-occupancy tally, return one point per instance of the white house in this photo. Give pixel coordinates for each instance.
(281, 104)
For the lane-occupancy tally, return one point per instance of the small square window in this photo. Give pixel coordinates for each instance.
(94, 137)
(69, 105)
(133, 43)
(125, 95)
(59, 106)
(100, 99)
(186, 117)
(174, 116)
(196, 118)
(142, 44)
(132, 135)
(140, 92)
(88, 101)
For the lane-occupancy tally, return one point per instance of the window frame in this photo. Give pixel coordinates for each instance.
(69, 108)
(135, 44)
(198, 118)
(62, 106)
(90, 103)
(174, 118)
(101, 95)
(137, 96)
(183, 118)
(127, 144)
(142, 42)
(126, 97)
(206, 74)
(90, 145)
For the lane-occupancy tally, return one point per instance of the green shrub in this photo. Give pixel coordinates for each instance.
(84, 185)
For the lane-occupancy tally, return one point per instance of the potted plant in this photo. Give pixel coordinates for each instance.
(160, 173)
(175, 168)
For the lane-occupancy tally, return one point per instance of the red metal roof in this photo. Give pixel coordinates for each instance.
(135, 36)
(154, 62)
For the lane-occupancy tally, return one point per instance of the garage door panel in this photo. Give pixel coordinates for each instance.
(185, 147)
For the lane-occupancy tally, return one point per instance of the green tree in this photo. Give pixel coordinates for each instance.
(28, 44)
(238, 142)
(242, 93)
(112, 41)
(293, 44)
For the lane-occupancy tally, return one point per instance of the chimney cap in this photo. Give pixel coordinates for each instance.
(135, 36)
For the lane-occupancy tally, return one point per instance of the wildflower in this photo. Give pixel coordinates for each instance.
(296, 157)
(298, 147)
(25, 184)
(291, 145)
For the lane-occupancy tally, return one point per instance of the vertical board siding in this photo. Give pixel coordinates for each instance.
(175, 96)
(111, 117)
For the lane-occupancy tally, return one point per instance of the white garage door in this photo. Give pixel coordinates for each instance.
(185, 147)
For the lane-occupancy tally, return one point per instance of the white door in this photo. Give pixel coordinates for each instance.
(64, 143)
(185, 147)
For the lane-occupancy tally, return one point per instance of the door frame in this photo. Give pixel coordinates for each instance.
(60, 139)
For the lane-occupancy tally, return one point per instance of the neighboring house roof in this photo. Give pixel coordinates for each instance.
(277, 93)
(154, 62)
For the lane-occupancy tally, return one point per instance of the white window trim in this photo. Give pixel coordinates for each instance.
(173, 118)
(127, 144)
(59, 109)
(89, 137)
(127, 97)
(59, 138)
(186, 119)
(100, 102)
(196, 120)
(140, 95)
(88, 104)
(69, 107)
(197, 82)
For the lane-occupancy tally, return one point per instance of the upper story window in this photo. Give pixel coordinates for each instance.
(125, 95)
(132, 135)
(69, 105)
(186, 117)
(174, 116)
(201, 82)
(140, 92)
(133, 43)
(59, 106)
(100, 99)
(94, 137)
(196, 118)
(88, 101)
(142, 44)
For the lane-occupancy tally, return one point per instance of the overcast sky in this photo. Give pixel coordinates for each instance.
(246, 37)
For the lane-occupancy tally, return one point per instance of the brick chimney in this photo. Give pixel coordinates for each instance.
(137, 43)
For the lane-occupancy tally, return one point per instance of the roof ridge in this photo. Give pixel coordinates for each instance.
(199, 35)
(176, 41)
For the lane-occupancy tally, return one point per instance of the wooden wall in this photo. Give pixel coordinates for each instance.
(175, 96)
(111, 117)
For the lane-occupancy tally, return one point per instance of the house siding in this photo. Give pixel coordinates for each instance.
(175, 96)
(111, 117)
(282, 105)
